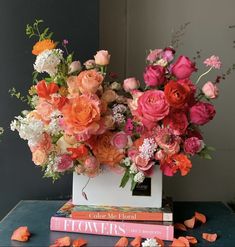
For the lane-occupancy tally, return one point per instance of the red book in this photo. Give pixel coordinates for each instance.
(116, 213)
(162, 230)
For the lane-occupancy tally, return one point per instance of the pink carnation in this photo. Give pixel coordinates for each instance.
(213, 62)
(193, 145)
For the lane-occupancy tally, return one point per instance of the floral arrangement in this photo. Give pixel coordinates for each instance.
(82, 120)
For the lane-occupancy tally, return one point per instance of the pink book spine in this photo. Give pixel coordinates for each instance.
(112, 228)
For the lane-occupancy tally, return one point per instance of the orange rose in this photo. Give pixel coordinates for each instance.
(43, 45)
(88, 81)
(81, 113)
(104, 151)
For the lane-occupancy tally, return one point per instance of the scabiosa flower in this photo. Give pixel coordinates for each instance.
(48, 61)
(213, 62)
(139, 177)
(148, 148)
(119, 108)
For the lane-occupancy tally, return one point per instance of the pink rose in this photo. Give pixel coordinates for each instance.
(183, 68)
(153, 55)
(102, 58)
(202, 113)
(120, 140)
(177, 121)
(75, 66)
(130, 84)
(152, 107)
(193, 145)
(64, 163)
(154, 75)
(142, 164)
(210, 90)
(91, 166)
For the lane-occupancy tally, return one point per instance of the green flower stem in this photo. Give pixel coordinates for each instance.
(205, 73)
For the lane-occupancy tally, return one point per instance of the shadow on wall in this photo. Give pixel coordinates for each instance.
(19, 178)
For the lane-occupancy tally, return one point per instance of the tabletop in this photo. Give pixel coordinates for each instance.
(36, 215)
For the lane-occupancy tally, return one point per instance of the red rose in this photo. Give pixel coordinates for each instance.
(183, 68)
(154, 75)
(177, 94)
(201, 113)
(177, 121)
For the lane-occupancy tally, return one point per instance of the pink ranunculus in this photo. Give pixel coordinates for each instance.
(210, 90)
(152, 106)
(177, 122)
(183, 68)
(64, 163)
(130, 84)
(102, 58)
(193, 145)
(154, 75)
(201, 113)
(154, 55)
(120, 140)
(91, 165)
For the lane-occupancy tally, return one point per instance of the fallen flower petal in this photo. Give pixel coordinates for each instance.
(63, 242)
(160, 242)
(79, 242)
(192, 240)
(21, 234)
(200, 217)
(180, 226)
(122, 242)
(180, 242)
(190, 223)
(210, 237)
(136, 242)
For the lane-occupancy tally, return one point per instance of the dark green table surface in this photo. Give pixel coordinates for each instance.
(36, 215)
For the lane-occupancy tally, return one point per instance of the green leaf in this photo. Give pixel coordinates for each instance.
(207, 156)
(210, 148)
(133, 184)
(125, 179)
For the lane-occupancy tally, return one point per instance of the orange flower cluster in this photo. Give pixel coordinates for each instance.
(43, 45)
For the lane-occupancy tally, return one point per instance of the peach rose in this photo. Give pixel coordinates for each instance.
(88, 81)
(39, 157)
(104, 151)
(109, 96)
(102, 58)
(81, 113)
(73, 85)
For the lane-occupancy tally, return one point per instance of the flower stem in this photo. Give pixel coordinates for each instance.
(199, 78)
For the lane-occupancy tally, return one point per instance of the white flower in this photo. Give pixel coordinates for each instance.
(150, 242)
(139, 177)
(1, 130)
(133, 169)
(119, 108)
(148, 148)
(48, 61)
(34, 101)
(126, 161)
(53, 127)
(119, 118)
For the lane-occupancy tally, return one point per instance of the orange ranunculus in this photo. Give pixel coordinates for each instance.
(21, 234)
(40, 46)
(177, 94)
(81, 113)
(89, 81)
(183, 163)
(106, 153)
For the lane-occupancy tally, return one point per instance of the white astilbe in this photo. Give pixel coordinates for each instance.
(29, 128)
(126, 161)
(133, 169)
(139, 177)
(150, 242)
(119, 108)
(48, 61)
(148, 148)
(54, 127)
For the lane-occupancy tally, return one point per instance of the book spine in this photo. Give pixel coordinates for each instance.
(115, 215)
(112, 228)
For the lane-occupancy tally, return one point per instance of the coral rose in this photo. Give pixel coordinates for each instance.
(177, 94)
(201, 113)
(104, 151)
(102, 58)
(81, 113)
(152, 106)
(88, 81)
(154, 75)
(183, 68)
(210, 90)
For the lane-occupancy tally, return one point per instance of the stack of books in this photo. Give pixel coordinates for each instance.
(115, 221)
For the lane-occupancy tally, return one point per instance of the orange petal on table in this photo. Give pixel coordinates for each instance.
(180, 226)
(62, 242)
(200, 217)
(191, 239)
(180, 242)
(159, 241)
(21, 234)
(136, 242)
(211, 237)
(190, 223)
(79, 242)
(122, 242)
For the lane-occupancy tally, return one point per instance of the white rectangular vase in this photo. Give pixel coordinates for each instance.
(104, 190)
